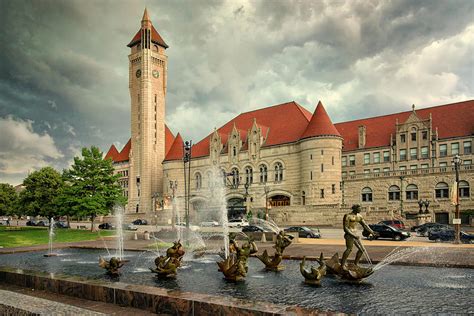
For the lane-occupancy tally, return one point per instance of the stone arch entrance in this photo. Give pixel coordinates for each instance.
(236, 208)
(279, 200)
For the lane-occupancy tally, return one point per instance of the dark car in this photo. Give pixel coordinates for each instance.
(140, 222)
(386, 231)
(106, 226)
(448, 235)
(426, 230)
(252, 229)
(31, 223)
(61, 224)
(304, 232)
(394, 223)
(422, 226)
(44, 223)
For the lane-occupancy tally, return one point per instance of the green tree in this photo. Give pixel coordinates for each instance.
(42, 188)
(8, 199)
(91, 187)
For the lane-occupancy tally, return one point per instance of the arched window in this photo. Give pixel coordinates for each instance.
(442, 190)
(198, 179)
(394, 193)
(412, 192)
(303, 198)
(464, 189)
(279, 200)
(413, 134)
(234, 151)
(235, 177)
(248, 175)
(366, 194)
(278, 172)
(263, 174)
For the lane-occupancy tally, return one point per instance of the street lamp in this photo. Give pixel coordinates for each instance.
(187, 147)
(138, 193)
(267, 190)
(246, 186)
(173, 187)
(457, 220)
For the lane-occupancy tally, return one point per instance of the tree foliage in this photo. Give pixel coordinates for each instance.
(42, 188)
(8, 199)
(91, 187)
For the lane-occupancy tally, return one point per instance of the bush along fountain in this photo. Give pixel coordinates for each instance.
(313, 275)
(50, 241)
(166, 266)
(115, 263)
(234, 266)
(273, 264)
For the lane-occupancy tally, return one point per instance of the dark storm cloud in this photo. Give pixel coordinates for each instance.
(64, 65)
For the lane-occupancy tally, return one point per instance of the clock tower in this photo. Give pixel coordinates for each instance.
(147, 86)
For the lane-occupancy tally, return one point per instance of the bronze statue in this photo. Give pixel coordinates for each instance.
(314, 275)
(112, 266)
(273, 264)
(351, 271)
(166, 266)
(235, 267)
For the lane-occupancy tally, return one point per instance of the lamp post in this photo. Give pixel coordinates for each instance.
(457, 220)
(267, 190)
(187, 147)
(173, 187)
(246, 186)
(138, 194)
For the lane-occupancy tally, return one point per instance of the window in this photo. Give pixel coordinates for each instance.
(443, 150)
(413, 134)
(443, 164)
(352, 160)
(311, 157)
(467, 162)
(467, 147)
(413, 167)
(413, 153)
(322, 193)
(424, 166)
(464, 189)
(412, 192)
(344, 161)
(366, 170)
(403, 154)
(394, 193)
(311, 175)
(333, 189)
(366, 194)
(403, 168)
(234, 151)
(424, 152)
(249, 175)
(402, 138)
(198, 180)
(278, 172)
(442, 190)
(376, 157)
(332, 160)
(322, 152)
(366, 159)
(376, 170)
(455, 149)
(235, 177)
(386, 169)
(263, 174)
(344, 173)
(322, 167)
(352, 172)
(303, 198)
(386, 156)
(424, 135)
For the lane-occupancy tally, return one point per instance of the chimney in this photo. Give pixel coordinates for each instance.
(362, 135)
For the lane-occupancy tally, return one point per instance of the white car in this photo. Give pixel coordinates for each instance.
(191, 227)
(209, 224)
(238, 223)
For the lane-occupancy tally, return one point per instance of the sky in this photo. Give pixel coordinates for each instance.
(64, 66)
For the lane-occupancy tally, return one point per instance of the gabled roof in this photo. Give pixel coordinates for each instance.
(155, 38)
(112, 153)
(282, 123)
(176, 150)
(451, 120)
(320, 124)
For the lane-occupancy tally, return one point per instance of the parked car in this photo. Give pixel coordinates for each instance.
(252, 229)
(238, 222)
(394, 223)
(44, 223)
(422, 226)
(191, 227)
(448, 235)
(140, 222)
(106, 226)
(426, 230)
(31, 222)
(209, 224)
(61, 224)
(304, 232)
(130, 226)
(386, 231)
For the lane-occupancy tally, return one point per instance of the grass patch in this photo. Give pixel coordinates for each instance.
(30, 236)
(160, 245)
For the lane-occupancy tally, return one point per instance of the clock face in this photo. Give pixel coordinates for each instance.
(156, 73)
(138, 73)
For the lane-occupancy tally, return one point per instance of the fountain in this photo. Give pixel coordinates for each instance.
(273, 264)
(166, 266)
(314, 275)
(235, 266)
(50, 241)
(115, 263)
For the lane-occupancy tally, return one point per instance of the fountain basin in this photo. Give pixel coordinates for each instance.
(400, 289)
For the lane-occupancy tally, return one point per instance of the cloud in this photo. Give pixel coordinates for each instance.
(21, 149)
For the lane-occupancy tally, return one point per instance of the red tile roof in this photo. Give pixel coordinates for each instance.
(320, 124)
(176, 150)
(451, 120)
(283, 123)
(155, 38)
(112, 153)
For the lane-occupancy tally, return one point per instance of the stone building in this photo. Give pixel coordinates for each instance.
(298, 165)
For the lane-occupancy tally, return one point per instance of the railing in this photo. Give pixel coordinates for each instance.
(410, 172)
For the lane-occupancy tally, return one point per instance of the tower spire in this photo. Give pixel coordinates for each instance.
(145, 16)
